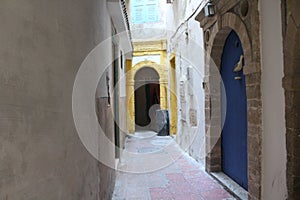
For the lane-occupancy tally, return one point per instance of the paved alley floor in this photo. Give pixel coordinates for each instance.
(154, 167)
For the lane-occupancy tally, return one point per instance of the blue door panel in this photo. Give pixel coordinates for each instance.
(234, 117)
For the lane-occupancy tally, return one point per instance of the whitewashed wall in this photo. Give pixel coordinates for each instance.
(185, 40)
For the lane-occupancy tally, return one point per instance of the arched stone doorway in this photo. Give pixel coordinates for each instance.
(234, 112)
(216, 31)
(217, 126)
(146, 98)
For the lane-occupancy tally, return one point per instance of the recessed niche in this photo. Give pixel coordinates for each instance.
(244, 9)
(207, 36)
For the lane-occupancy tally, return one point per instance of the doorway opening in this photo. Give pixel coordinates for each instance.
(146, 98)
(234, 117)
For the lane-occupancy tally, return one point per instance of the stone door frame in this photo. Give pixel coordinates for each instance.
(216, 31)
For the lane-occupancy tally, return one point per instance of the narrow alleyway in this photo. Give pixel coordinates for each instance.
(82, 81)
(154, 167)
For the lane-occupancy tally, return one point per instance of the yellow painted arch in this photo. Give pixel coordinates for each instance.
(130, 74)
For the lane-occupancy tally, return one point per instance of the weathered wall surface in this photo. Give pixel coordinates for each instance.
(291, 84)
(274, 145)
(42, 46)
(107, 171)
(187, 45)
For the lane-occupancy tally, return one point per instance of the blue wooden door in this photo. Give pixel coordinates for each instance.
(234, 112)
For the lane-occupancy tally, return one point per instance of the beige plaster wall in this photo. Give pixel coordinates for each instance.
(274, 145)
(42, 46)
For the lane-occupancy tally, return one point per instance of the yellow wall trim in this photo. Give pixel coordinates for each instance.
(146, 46)
(173, 96)
(162, 71)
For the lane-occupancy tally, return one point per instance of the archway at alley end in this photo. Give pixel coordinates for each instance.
(146, 98)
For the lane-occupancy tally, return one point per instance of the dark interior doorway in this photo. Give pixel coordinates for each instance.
(147, 97)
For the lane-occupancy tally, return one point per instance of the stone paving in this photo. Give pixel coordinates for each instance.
(154, 167)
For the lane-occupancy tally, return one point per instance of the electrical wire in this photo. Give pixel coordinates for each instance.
(199, 6)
